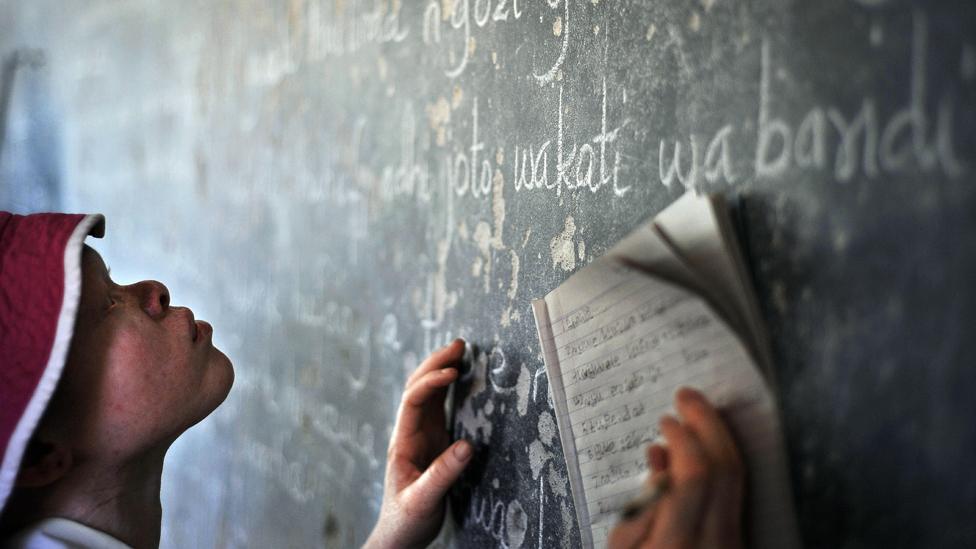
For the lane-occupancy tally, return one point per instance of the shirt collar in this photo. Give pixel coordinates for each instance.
(61, 533)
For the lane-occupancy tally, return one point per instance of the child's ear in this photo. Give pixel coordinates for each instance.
(44, 463)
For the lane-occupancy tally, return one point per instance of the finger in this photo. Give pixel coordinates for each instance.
(630, 532)
(704, 420)
(429, 489)
(723, 516)
(680, 510)
(722, 524)
(446, 355)
(421, 393)
(657, 457)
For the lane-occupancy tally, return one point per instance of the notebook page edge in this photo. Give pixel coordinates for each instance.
(723, 219)
(540, 309)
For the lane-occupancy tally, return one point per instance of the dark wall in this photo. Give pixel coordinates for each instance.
(340, 187)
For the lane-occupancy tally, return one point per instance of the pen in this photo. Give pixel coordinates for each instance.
(649, 495)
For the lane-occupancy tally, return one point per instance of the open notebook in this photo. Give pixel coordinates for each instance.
(668, 306)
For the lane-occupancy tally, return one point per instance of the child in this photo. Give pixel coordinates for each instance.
(99, 379)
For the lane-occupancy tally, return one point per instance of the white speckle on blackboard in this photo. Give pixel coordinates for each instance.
(507, 316)
(522, 389)
(516, 524)
(561, 247)
(482, 237)
(967, 64)
(447, 9)
(438, 117)
(841, 239)
(456, 97)
(876, 34)
(547, 428)
(538, 456)
(558, 483)
(474, 424)
(568, 522)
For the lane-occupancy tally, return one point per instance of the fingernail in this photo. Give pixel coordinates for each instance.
(462, 450)
(458, 340)
(446, 372)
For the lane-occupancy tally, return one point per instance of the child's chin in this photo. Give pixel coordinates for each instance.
(225, 369)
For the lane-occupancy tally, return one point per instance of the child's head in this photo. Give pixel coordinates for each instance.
(139, 371)
(96, 374)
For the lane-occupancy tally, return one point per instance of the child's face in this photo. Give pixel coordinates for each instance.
(139, 372)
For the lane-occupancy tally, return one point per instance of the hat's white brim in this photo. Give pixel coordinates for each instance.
(95, 226)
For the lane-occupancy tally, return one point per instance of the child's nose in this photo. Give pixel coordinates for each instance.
(153, 297)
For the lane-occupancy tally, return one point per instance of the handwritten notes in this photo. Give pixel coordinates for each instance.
(618, 343)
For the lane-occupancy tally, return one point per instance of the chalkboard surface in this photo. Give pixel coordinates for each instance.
(342, 186)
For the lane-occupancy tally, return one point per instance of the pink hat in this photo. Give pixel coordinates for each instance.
(40, 287)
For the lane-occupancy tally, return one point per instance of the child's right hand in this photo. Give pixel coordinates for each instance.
(422, 463)
(702, 507)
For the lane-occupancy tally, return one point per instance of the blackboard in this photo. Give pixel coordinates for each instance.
(342, 186)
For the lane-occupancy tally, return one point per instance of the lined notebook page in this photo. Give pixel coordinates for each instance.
(617, 344)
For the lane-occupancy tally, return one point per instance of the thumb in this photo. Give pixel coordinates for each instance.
(429, 489)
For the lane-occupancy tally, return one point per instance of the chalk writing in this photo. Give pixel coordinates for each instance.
(574, 170)
(460, 14)
(351, 435)
(564, 27)
(846, 145)
(505, 522)
(351, 26)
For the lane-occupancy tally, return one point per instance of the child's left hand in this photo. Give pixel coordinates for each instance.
(420, 465)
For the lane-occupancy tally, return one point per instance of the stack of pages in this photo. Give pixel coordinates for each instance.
(669, 306)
